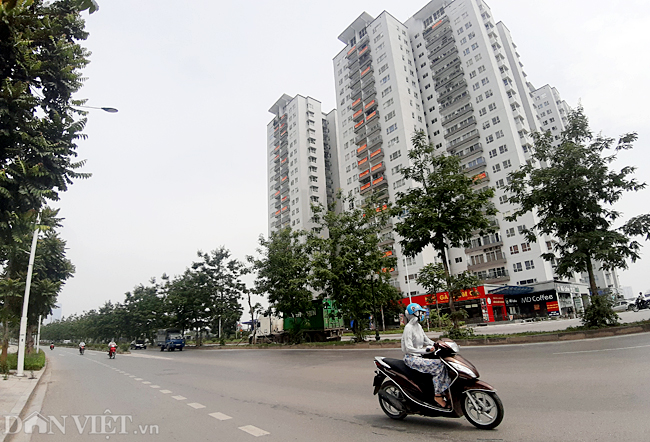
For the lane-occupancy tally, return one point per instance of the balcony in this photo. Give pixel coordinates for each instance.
(377, 154)
(440, 44)
(441, 26)
(471, 150)
(352, 53)
(362, 150)
(462, 84)
(355, 94)
(372, 115)
(497, 277)
(360, 139)
(370, 106)
(484, 246)
(441, 82)
(372, 129)
(486, 265)
(355, 83)
(363, 175)
(368, 81)
(481, 178)
(458, 100)
(369, 89)
(469, 122)
(443, 70)
(379, 182)
(442, 57)
(457, 114)
(358, 115)
(364, 50)
(367, 71)
(353, 64)
(363, 163)
(359, 126)
(377, 168)
(474, 165)
(386, 239)
(461, 142)
(365, 188)
(375, 141)
(356, 104)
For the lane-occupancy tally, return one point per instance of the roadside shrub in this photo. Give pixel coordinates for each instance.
(600, 313)
(33, 361)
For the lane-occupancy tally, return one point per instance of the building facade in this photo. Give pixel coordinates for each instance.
(302, 161)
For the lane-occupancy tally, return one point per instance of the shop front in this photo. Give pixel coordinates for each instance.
(480, 306)
(533, 305)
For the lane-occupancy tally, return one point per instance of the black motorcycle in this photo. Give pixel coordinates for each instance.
(82, 349)
(403, 391)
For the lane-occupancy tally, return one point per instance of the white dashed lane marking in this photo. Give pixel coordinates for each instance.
(154, 386)
(257, 432)
(220, 416)
(179, 398)
(146, 382)
(165, 391)
(196, 405)
(137, 379)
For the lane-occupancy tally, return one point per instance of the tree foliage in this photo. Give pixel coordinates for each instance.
(573, 192)
(348, 265)
(444, 209)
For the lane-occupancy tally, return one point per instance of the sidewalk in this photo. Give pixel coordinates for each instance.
(14, 394)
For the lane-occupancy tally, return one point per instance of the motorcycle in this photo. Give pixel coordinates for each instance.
(111, 352)
(403, 390)
(51, 346)
(82, 349)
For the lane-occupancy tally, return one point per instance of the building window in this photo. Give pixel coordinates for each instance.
(510, 232)
(514, 250)
(516, 267)
(529, 265)
(525, 247)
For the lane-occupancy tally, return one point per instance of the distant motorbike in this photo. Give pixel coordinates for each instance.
(82, 349)
(111, 352)
(51, 346)
(641, 304)
(403, 390)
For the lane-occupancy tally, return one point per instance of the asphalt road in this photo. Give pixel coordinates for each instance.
(591, 390)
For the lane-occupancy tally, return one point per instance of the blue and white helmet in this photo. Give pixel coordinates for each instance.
(413, 308)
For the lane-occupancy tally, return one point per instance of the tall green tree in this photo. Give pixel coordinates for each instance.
(443, 209)
(283, 272)
(348, 265)
(573, 193)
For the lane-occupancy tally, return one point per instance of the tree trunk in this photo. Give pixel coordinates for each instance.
(443, 255)
(29, 344)
(592, 280)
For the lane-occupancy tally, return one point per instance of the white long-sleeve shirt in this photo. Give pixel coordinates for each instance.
(414, 341)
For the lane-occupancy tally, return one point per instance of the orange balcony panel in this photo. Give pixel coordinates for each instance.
(372, 115)
(436, 24)
(357, 101)
(283, 133)
(277, 213)
(362, 148)
(283, 161)
(359, 124)
(354, 48)
(285, 178)
(382, 208)
(360, 162)
(370, 104)
(284, 198)
(378, 180)
(363, 51)
(357, 113)
(282, 125)
(364, 187)
(285, 208)
(375, 153)
(480, 176)
(276, 148)
(388, 253)
(377, 166)
(364, 173)
(365, 71)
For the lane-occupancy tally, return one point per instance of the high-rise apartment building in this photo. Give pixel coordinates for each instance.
(302, 163)
(454, 72)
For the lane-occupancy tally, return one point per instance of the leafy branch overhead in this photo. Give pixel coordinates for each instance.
(573, 193)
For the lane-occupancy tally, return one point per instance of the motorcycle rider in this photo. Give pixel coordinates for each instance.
(414, 344)
(111, 345)
(82, 346)
(640, 301)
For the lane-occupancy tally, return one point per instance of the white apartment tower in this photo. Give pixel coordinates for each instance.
(302, 163)
(454, 72)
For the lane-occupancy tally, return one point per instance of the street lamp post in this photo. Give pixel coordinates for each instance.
(23, 319)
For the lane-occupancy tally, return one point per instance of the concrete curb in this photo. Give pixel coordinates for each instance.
(531, 339)
(25, 402)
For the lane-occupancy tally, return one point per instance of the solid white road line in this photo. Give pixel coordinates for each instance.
(257, 432)
(179, 398)
(196, 405)
(220, 416)
(604, 349)
(165, 391)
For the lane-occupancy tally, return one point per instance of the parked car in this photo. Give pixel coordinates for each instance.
(138, 344)
(623, 306)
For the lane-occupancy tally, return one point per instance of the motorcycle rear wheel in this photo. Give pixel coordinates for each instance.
(391, 388)
(490, 412)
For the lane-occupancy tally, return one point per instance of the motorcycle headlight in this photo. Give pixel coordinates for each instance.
(462, 369)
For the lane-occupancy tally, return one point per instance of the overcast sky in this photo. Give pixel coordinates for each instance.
(182, 166)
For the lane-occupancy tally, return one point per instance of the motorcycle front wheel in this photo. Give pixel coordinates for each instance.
(389, 387)
(483, 409)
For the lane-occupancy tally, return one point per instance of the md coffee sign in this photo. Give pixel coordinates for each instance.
(537, 298)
